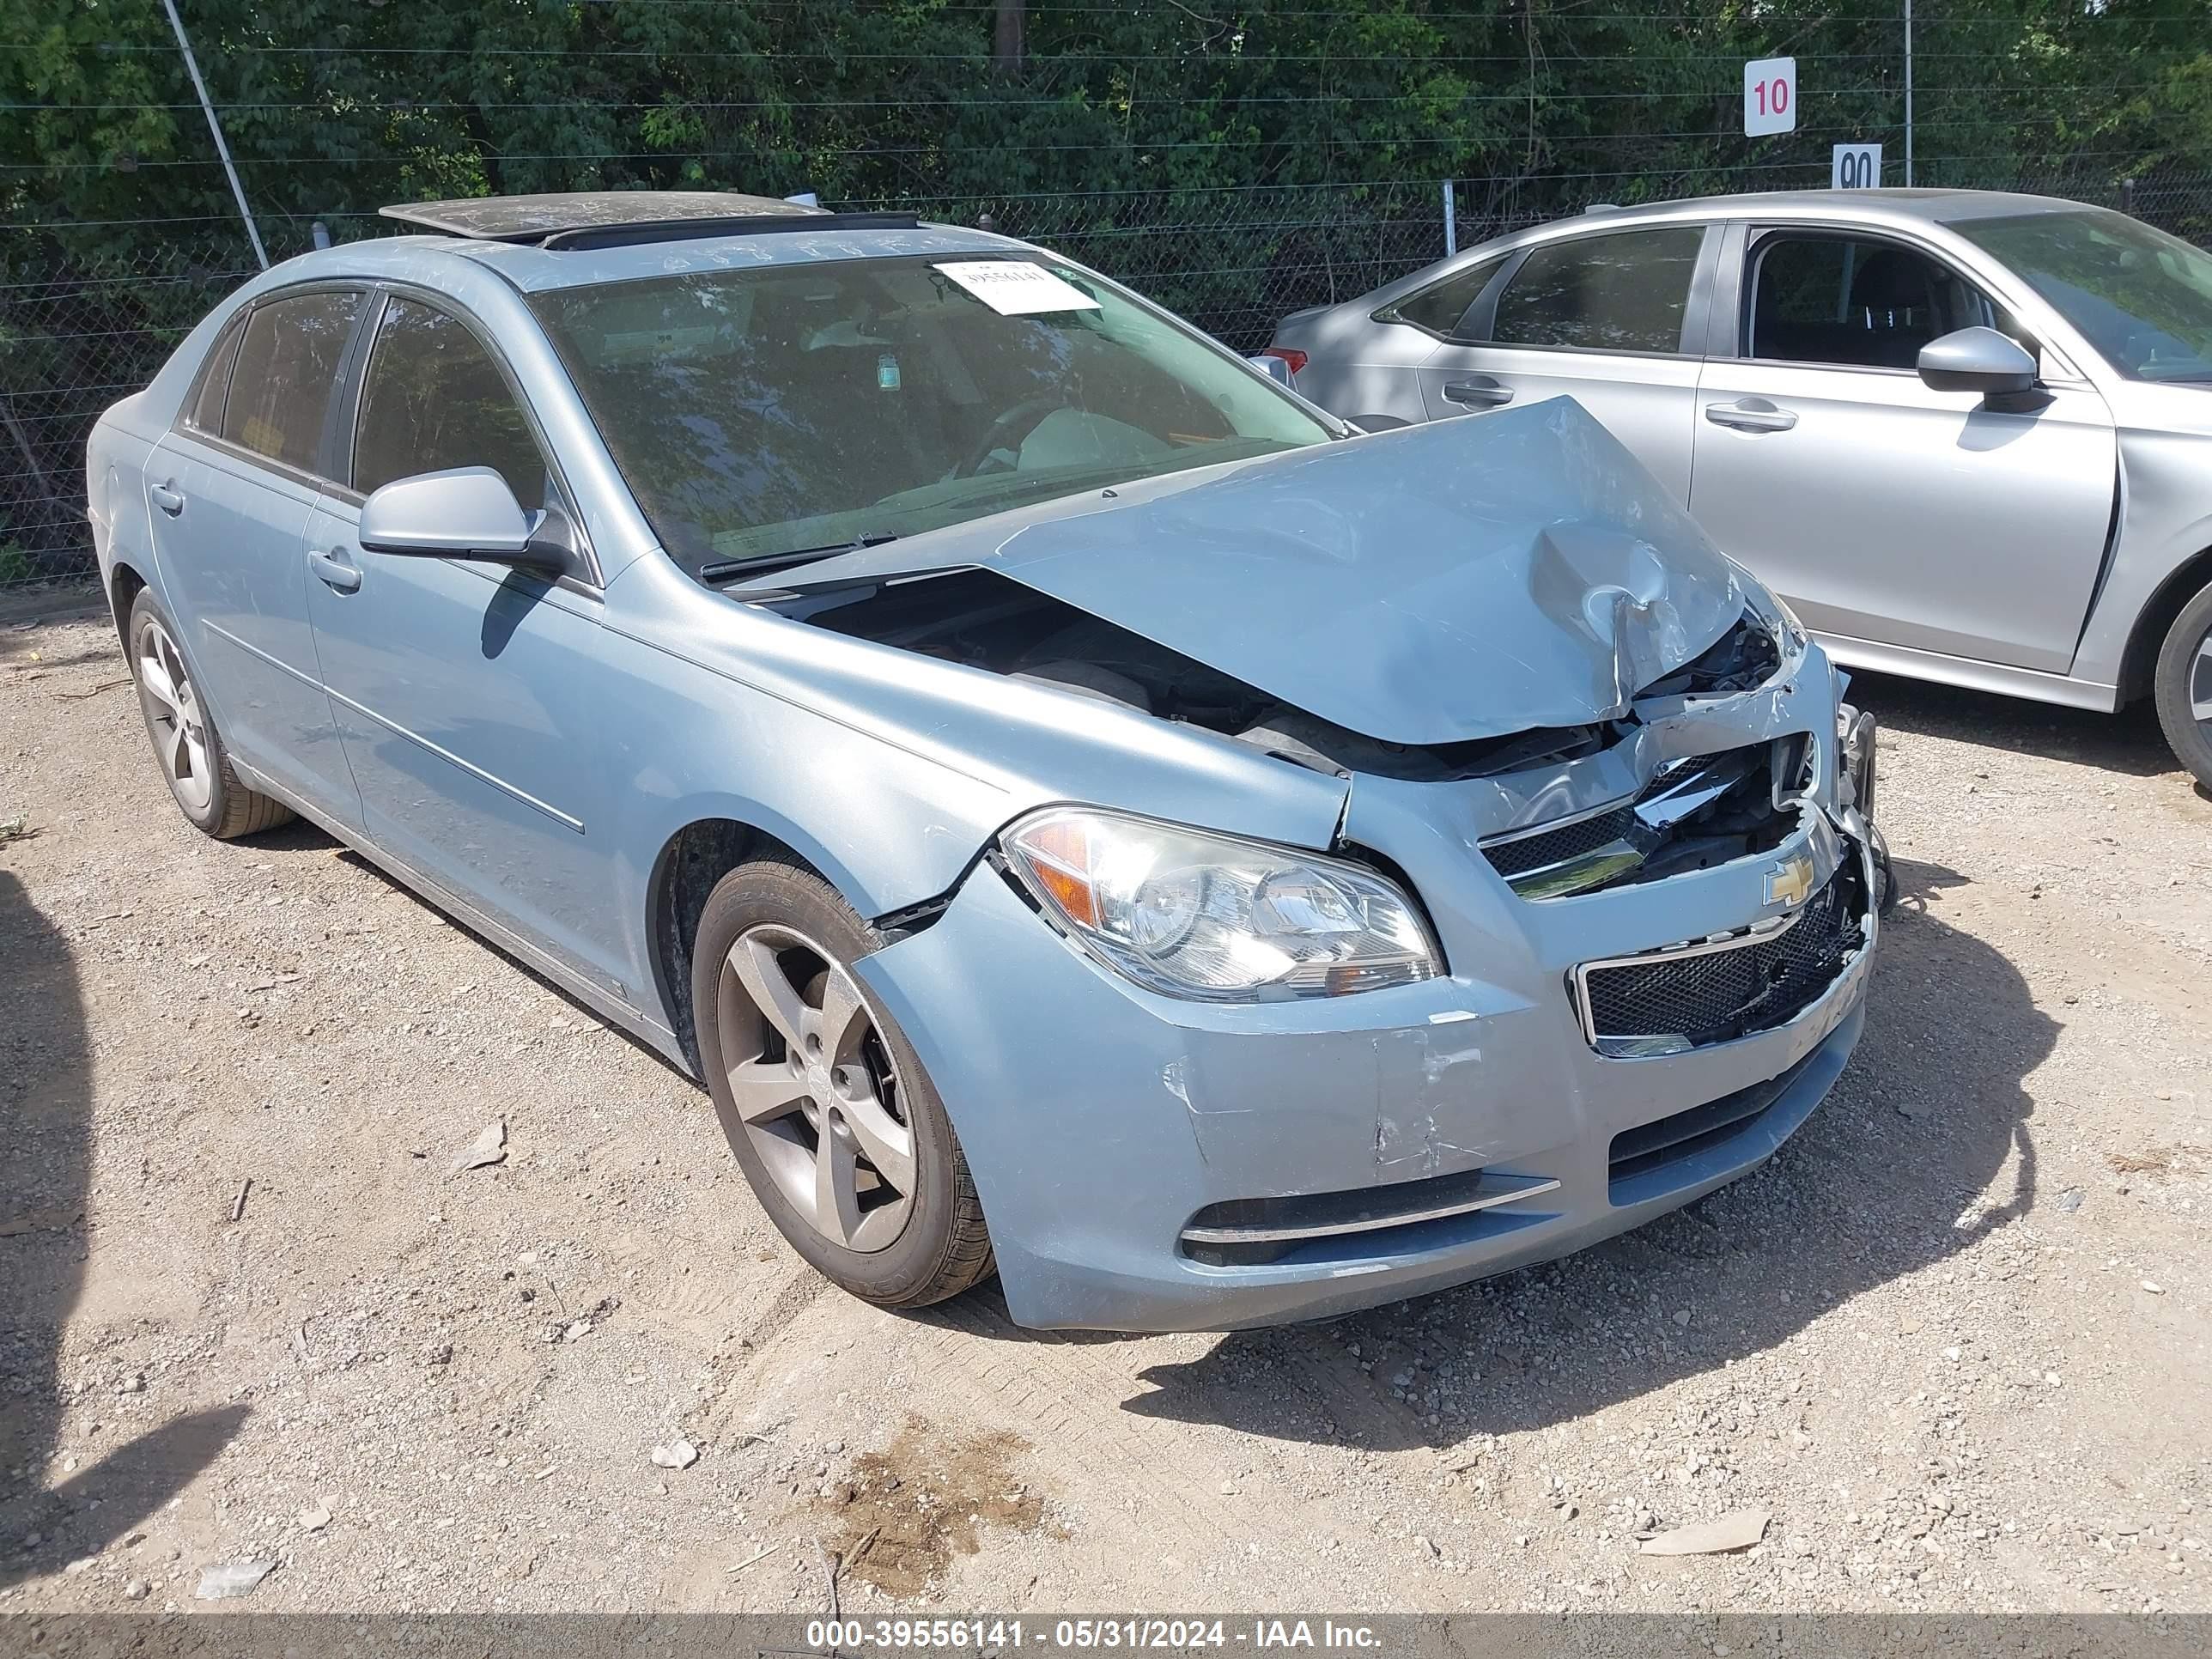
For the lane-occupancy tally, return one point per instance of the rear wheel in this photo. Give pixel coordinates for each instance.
(2184, 684)
(186, 745)
(823, 1100)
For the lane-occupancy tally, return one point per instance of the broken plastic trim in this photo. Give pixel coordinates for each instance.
(1703, 810)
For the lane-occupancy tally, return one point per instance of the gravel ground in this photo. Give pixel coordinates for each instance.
(1951, 1341)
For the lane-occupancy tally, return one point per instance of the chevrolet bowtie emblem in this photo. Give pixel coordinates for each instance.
(1790, 882)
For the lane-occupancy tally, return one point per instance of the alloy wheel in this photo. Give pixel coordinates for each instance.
(813, 1083)
(173, 716)
(2199, 687)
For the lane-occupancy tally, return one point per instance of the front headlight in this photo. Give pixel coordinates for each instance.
(1774, 610)
(1208, 917)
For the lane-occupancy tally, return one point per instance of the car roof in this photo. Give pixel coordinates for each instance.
(1896, 205)
(538, 270)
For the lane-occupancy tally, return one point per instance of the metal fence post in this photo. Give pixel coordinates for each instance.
(237, 190)
(1451, 228)
(2128, 196)
(1908, 94)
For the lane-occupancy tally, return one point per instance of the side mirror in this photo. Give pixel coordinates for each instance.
(1273, 368)
(1977, 359)
(468, 513)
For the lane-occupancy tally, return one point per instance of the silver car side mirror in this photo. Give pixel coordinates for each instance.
(467, 513)
(1977, 359)
(1273, 368)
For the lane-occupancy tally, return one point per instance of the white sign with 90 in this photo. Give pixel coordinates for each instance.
(1769, 96)
(1856, 166)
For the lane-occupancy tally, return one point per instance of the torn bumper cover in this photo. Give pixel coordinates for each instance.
(1152, 1163)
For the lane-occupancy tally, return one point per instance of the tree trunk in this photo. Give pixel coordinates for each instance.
(1008, 47)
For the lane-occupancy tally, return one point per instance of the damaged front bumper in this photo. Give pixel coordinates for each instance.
(1151, 1163)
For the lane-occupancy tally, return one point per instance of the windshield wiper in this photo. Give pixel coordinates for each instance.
(721, 570)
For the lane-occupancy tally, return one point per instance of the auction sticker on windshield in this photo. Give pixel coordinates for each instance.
(1016, 288)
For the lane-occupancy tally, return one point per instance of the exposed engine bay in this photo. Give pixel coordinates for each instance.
(985, 620)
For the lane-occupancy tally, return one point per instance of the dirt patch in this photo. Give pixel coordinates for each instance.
(2159, 1160)
(904, 1512)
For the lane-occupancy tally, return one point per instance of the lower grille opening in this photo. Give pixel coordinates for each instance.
(1675, 1139)
(1244, 1232)
(1683, 999)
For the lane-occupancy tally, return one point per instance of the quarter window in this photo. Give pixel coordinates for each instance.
(205, 414)
(434, 399)
(1864, 304)
(1440, 308)
(1625, 292)
(288, 361)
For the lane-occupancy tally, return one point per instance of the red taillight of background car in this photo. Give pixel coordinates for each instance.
(1292, 357)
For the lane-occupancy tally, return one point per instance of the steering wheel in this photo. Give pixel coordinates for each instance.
(1010, 430)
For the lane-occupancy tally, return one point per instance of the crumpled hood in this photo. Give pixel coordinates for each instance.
(1467, 579)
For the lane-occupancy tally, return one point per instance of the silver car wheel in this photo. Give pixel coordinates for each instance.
(173, 717)
(812, 1080)
(2200, 683)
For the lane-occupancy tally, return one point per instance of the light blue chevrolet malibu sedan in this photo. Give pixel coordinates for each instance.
(1076, 807)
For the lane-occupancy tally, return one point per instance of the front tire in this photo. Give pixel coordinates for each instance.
(2183, 680)
(186, 745)
(822, 1098)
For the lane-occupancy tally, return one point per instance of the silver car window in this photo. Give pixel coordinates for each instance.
(1861, 302)
(1442, 307)
(1628, 291)
(2142, 297)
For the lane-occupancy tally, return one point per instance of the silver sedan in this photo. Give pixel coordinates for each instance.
(1967, 435)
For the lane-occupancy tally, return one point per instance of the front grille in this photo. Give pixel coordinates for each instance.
(1549, 846)
(1700, 811)
(1691, 997)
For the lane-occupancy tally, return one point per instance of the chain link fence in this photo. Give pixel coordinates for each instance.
(80, 329)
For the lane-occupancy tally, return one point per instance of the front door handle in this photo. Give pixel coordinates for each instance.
(1477, 394)
(335, 571)
(1752, 415)
(167, 498)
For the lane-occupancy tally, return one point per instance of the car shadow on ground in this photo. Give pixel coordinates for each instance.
(2129, 741)
(45, 1105)
(1923, 1147)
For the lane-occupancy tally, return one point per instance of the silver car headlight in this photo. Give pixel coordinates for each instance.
(1215, 919)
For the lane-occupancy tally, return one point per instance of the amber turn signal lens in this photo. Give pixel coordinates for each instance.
(1059, 856)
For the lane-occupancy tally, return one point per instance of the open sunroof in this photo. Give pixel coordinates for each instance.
(535, 218)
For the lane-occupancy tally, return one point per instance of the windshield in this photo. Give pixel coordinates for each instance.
(762, 413)
(2142, 297)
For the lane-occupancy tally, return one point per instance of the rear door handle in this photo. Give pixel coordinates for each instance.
(167, 498)
(335, 571)
(1477, 394)
(1750, 416)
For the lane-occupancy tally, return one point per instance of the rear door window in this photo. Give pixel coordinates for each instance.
(288, 361)
(1626, 291)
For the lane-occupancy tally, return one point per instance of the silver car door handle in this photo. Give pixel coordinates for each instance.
(1477, 394)
(167, 498)
(1747, 418)
(334, 570)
